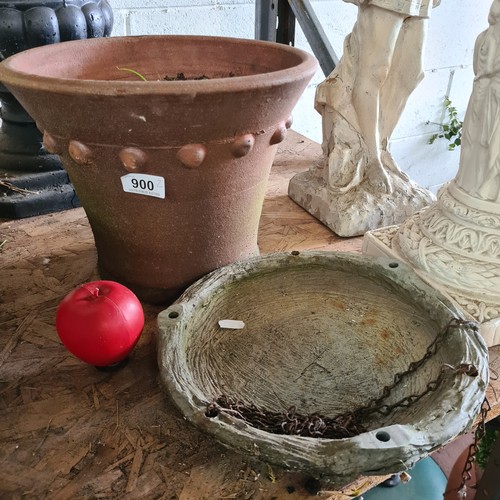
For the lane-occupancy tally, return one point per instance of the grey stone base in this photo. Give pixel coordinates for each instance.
(360, 209)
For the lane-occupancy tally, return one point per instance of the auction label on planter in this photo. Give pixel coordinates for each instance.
(147, 185)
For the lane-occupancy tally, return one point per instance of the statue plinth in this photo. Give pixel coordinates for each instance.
(357, 210)
(454, 245)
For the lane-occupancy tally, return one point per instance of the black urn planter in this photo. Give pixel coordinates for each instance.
(33, 181)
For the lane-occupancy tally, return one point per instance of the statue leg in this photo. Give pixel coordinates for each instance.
(405, 74)
(377, 33)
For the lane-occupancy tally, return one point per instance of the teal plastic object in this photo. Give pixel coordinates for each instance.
(427, 483)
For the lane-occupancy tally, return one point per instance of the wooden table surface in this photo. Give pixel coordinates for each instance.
(68, 430)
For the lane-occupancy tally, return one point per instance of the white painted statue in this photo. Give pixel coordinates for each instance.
(455, 243)
(381, 66)
(361, 102)
(479, 172)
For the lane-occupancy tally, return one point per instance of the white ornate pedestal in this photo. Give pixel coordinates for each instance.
(456, 248)
(455, 243)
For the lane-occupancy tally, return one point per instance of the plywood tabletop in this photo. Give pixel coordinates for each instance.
(68, 430)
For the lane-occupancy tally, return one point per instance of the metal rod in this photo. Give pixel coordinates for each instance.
(285, 32)
(315, 35)
(266, 15)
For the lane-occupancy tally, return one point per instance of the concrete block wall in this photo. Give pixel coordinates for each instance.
(453, 28)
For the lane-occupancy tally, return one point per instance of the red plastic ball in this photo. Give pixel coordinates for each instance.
(100, 322)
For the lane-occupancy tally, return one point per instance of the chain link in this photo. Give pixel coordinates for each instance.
(473, 448)
(350, 423)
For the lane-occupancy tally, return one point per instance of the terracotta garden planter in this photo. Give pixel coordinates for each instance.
(207, 143)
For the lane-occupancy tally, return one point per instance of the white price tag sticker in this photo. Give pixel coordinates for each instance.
(147, 185)
(231, 324)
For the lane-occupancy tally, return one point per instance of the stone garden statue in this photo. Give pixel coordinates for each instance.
(479, 172)
(357, 185)
(455, 242)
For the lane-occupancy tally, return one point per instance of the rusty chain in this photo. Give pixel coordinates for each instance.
(350, 423)
(472, 450)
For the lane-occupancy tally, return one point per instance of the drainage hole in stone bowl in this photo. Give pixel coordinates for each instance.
(383, 436)
(173, 314)
(212, 411)
(393, 265)
(295, 252)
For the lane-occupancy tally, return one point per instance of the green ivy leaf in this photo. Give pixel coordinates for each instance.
(452, 130)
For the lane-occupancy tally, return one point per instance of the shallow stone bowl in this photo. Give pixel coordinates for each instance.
(324, 332)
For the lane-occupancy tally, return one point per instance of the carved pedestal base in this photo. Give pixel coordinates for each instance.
(358, 210)
(454, 245)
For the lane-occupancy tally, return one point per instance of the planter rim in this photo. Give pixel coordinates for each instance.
(9, 75)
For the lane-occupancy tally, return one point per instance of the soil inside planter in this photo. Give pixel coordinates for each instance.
(181, 77)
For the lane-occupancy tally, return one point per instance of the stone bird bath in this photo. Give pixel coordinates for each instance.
(324, 332)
